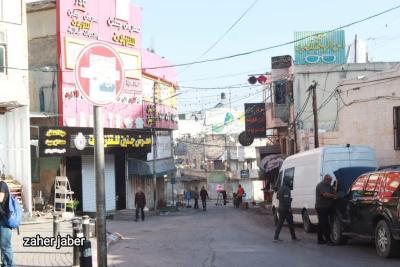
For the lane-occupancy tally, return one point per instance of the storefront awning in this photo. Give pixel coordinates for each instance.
(145, 168)
(271, 162)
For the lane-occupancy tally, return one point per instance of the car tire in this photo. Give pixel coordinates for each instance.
(307, 225)
(385, 245)
(337, 236)
(275, 218)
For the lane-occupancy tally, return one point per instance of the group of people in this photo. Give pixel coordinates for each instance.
(323, 204)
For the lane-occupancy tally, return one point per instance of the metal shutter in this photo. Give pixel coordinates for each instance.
(89, 184)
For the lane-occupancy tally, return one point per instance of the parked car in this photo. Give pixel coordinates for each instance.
(371, 209)
(307, 169)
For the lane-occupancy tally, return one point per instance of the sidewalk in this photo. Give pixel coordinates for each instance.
(51, 256)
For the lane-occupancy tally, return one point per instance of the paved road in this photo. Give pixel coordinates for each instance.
(224, 236)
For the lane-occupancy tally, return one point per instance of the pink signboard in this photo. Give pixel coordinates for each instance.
(118, 24)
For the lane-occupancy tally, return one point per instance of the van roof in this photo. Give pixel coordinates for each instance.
(319, 150)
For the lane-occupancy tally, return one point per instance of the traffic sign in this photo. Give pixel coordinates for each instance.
(99, 73)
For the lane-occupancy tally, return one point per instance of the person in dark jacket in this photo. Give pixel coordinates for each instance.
(324, 202)
(140, 203)
(204, 196)
(196, 197)
(285, 210)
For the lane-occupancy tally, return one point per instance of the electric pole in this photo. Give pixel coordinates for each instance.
(313, 87)
(153, 128)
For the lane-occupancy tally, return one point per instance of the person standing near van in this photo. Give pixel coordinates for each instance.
(324, 201)
(204, 196)
(285, 210)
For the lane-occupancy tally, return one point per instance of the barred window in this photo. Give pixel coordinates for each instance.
(396, 126)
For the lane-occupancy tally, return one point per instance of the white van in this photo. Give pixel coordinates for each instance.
(307, 169)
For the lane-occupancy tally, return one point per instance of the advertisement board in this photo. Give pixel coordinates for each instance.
(320, 47)
(255, 119)
(119, 25)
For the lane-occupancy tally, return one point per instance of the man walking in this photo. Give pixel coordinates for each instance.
(196, 198)
(324, 201)
(285, 210)
(239, 195)
(5, 232)
(140, 203)
(204, 196)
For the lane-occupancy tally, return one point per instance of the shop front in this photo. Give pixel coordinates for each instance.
(74, 148)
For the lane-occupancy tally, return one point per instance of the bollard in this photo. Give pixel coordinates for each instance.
(56, 225)
(76, 223)
(76, 232)
(85, 226)
(86, 254)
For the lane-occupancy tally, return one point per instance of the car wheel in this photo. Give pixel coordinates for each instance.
(336, 232)
(385, 245)
(275, 218)
(307, 225)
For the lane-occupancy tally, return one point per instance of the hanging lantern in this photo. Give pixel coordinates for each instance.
(262, 79)
(252, 80)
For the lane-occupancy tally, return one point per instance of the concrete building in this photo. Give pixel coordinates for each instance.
(58, 31)
(207, 149)
(14, 101)
(328, 77)
(369, 114)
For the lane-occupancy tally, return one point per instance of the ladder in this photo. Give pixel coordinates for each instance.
(62, 196)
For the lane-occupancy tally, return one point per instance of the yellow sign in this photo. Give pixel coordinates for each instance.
(122, 141)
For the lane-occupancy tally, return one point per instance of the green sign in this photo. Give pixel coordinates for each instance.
(320, 47)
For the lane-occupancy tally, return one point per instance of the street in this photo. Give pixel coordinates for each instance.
(224, 236)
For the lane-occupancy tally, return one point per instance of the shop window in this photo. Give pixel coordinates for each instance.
(3, 67)
(396, 126)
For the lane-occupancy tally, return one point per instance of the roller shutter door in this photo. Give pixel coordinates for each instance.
(89, 183)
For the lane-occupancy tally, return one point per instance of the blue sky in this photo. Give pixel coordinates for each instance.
(182, 30)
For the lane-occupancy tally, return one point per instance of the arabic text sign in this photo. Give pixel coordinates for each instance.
(66, 141)
(255, 119)
(320, 47)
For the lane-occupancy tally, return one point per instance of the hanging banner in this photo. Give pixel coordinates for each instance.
(255, 119)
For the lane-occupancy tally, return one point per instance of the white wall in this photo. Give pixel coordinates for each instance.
(15, 151)
(371, 122)
(328, 78)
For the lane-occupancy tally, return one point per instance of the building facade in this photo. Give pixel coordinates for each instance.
(58, 31)
(15, 153)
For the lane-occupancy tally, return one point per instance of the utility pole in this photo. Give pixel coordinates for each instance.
(100, 187)
(313, 87)
(153, 129)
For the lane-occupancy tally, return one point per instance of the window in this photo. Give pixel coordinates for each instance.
(392, 185)
(280, 93)
(358, 187)
(289, 174)
(278, 181)
(372, 182)
(218, 165)
(3, 66)
(396, 127)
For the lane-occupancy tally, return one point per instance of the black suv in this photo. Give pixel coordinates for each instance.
(369, 208)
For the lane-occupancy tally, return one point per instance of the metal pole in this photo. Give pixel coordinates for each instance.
(85, 226)
(100, 187)
(75, 251)
(315, 113)
(56, 226)
(154, 145)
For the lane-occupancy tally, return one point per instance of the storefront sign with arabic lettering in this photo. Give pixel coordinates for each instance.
(320, 47)
(255, 119)
(69, 141)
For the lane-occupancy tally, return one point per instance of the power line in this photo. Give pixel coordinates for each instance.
(223, 35)
(278, 45)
